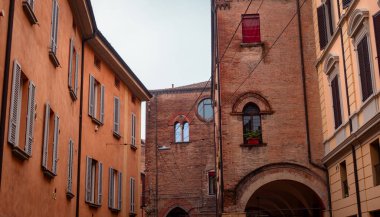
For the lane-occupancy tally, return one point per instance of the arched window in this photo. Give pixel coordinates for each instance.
(178, 132)
(186, 132)
(252, 124)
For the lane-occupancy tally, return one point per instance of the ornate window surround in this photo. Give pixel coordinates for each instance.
(251, 97)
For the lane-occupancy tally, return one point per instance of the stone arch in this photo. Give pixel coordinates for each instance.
(179, 119)
(251, 97)
(330, 63)
(276, 172)
(173, 204)
(357, 19)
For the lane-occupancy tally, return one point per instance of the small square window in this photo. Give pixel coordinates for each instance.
(251, 28)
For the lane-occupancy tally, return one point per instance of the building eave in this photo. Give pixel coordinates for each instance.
(83, 17)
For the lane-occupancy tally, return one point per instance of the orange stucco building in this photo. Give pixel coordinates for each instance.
(70, 122)
(347, 37)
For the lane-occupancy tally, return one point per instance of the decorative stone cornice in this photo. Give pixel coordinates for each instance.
(330, 63)
(356, 20)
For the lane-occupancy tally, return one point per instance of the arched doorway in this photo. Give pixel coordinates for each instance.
(284, 198)
(177, 212)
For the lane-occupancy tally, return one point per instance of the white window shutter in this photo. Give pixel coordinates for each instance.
(76, 74)
(14, 114)
(88, 179)
(70, 167)
(116, 117)
(132, 194)
(102, 104)
(46, 137)
(119, 192)
(133, 129)
(91, 98)
(54, 26)
(31, 4)
(100, 183)
(55, 144)
(71, 64)
(110, 188)
(30, 119)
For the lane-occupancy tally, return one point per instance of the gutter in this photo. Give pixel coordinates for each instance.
(4, 97)
(81, 123)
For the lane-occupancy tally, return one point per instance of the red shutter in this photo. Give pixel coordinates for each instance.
(376, 24)
(322, 27)
(251, 28)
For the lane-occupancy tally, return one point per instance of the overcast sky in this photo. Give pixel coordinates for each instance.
(164, 42)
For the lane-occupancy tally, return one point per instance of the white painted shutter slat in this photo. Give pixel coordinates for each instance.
(116, 115)
(56, 26)
(110, 188)
(100, 184)
(88, 179)
(102, 104)
(76, 74)
(53, 27)
(70, 167)
(71, 64)
(119, 192)
(91, 98)
(46, 137)
(31, 4)
(14, 114)
(55, 144)
(30, 119)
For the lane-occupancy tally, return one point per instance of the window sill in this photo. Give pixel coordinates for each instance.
(251, 146)
(179, 143)
(115, 210)
(116, 135)
(54, 59)
(19, 153)
(96, 121)
(133, 147)
(29, 13)
(256, 44)
(69, 195)
(93, 205)
(48, 173)
(72, 94)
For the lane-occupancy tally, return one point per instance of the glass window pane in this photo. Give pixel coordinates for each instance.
(178, 132)
(205, 109)
(186, 132)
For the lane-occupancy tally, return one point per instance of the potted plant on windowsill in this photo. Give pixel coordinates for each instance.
(253, 137)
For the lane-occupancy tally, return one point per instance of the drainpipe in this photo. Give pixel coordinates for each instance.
(329, 194)
(4, 97)
(81, 122)
(359, 206)
(156, 153)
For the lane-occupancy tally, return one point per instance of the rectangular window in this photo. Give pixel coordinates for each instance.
(251, 28)
(133, 137)
(114, 190)
(211, 183)
(22, 113)
(336, 102)
(96, 101)
(54, 34)
(365, 68)
(69, 192)
(73, 70)
(50, 145)
(94, 175)
(132, 195)
(375, 158)
(376, 24)
(343, 179)
(325, 23)
(116, 117)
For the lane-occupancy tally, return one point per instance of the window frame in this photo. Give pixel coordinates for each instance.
(114, 190)
(132, 188)
(94, 178)
(335, 75)
(211, 183)
(54, 34)
(73, 76)
(49, 114)
(253, 18)
(202, 117)
(251, 117)
(116, 117)
(70, 166)
(95, 89)
(133, 131)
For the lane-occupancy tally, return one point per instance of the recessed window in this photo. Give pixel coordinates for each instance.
(335, 90)
(365, 68)
(205, 110)
(325, 23)
(252, 124)
(343, 179)
(132, 196)
(94, 188)
(251, 28)
(96, 101)
(54, 34)
(133, 131)
(116, 117)
(114, 190)
(73, 70)
(182, 132)
(211, 183)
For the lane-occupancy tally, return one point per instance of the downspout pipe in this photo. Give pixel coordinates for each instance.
(81, 122)
(4, 97)
(359, 206)
(310, 159)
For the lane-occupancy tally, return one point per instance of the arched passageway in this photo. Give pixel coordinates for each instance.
(284, 198)
(177, 212)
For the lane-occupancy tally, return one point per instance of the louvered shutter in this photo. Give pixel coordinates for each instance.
(14, 114)
(110, 188)
(100, 183)
(329, 11)
(116, 116)
(346, 3)
(133, 127)
(336, 102)
(70, 167)
(89, 180)
(365, 68)
(91, 98)
(376, 24)
(55, 144)
(119, 190)
(132, 205)
(54, 24)
(71, 64)
(31, 4)
(323, 39)
(102, 104)
(46, 137)
(30, 119)
(76, 74)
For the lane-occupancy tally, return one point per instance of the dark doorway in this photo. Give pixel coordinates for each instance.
(177, 212)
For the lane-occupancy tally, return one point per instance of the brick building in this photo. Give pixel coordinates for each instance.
(267, 110)
(70, 115)
(347, 37)
(180, 152)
